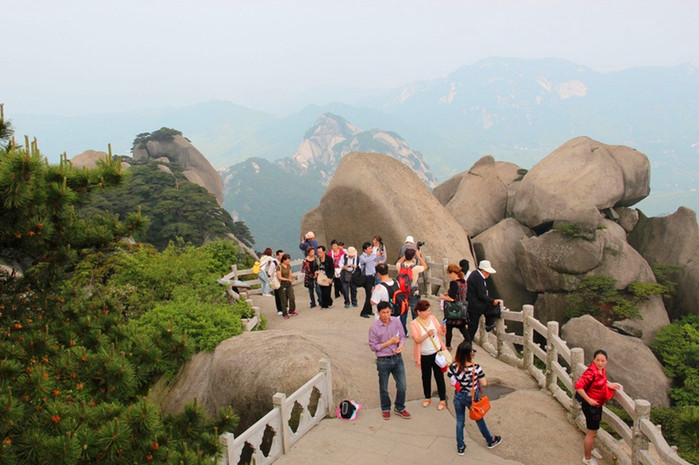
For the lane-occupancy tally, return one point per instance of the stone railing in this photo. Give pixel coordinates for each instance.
(272, 435)
(252, 286)
(562, 367)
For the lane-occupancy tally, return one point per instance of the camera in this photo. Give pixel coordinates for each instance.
(420, 244)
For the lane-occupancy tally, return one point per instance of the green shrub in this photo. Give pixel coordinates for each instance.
(598, 296)
(680, 428)
(570, 230)
(677, 347)
(204, 323)
(667, 276)
(642, 291)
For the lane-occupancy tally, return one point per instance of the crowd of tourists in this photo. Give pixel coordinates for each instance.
(336, 273)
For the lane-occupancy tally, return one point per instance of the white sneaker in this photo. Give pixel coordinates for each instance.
(596, 453)
(592, 461)
(279, 313)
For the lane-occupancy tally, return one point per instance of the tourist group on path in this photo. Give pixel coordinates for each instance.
(391, 300)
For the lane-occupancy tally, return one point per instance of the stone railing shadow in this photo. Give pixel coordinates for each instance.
(273, 435)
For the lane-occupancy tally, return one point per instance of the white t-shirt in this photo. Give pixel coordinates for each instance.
(379, 294)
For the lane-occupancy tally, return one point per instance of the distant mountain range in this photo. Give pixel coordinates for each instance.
(272, 197)
(516, 110)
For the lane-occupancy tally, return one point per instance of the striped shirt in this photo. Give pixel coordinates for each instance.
(465, 377)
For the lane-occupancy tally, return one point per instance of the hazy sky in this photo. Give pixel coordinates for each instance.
(77, 57)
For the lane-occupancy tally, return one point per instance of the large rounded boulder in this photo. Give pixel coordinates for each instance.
(577, 180)
(673, 240)
(374, 194)
(246, 371)
(197, 168)
(480, 199)
(498, 244)
(629, 359)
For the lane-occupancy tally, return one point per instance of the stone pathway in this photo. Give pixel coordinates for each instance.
(533, 425)
(427, 438)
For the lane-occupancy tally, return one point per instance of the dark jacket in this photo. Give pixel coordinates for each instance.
(477, 295)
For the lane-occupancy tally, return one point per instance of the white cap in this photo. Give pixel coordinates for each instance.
(410, 239)
(485, 266)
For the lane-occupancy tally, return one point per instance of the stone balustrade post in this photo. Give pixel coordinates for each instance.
(445, 276)
(279, 400)
(639, 441)
(551, 352)
(527, 337)
(326, 369)
(226, 440)
(500, 335)
(427, 277)
(577, 362)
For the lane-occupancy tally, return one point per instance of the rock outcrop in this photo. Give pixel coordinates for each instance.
(375, 194)
(87, 159)
(673, 240)
(498, 245)
(577, 180)
(332, 137)
(630, 361)
(197, 168)
(554, 263)
(230, 376)
(480, 198)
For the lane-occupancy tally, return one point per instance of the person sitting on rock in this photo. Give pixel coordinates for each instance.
(479, 302)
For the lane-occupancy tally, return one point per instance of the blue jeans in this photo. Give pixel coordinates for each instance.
(391, 366)
(462, 403)
(264, 282)
(312, 292)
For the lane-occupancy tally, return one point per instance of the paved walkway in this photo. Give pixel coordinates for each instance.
(533, 425)
(427, 438)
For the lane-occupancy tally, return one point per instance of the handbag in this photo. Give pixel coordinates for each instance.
(478, 408)
(322, 279)
(457, 310)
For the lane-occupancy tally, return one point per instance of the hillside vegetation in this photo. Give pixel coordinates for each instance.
(175, 207)
(90, 322)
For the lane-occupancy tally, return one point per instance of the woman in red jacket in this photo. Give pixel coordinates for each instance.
(595, 390)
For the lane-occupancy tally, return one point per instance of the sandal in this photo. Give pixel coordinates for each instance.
(442, 405)
(426, 402)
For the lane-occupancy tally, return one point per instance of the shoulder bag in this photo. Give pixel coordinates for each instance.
(274, 283)
(480, 408)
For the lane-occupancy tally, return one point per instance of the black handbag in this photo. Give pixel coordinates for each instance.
(457, 310)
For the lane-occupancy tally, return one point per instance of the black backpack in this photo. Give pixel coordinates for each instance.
(358, 277)
(398, 300)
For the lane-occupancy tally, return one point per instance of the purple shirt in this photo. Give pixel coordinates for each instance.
(380, 333)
